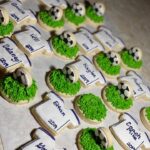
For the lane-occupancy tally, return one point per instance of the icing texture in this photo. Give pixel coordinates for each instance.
(92, 107)
(90, 12)
(47, 19)
(62, 84)
(114, 97)
(147, 110)
(17, 91)
(106, 65)
(129, 60)
(89, 141)
(62, 48)
(6, 29)
(70, 15)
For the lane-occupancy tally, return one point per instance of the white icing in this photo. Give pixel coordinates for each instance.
(88, 74)
(17, 12)
(128, 131)
(139, 88)
(10, 55)
(54, 115)
(44, 141)
(109, 41)
(32, 41)
(86, 40)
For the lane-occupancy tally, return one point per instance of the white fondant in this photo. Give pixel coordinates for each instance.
(54, 115)
(44, 141)
(108, 40)
(11, 56)
(88, 74)
(138, 86)
(17, 13)
(32, 41)
(128, 131)
(86, 40)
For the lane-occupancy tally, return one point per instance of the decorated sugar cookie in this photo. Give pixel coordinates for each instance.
(53, 115)
(108, 40)
(65, 45)
(6, 26)
(140, 89)
(108, 63)
(87, 42)
(75, 14)
(118, 98)
(95, 14)
(51, 20)
(129, 135)
(31, 42)
(95, 139)
(90, 108)
(67, 82)
(43, 140)
(11, 57)
(18, 15)
(131, 59)
(60, 3)
(18, 87)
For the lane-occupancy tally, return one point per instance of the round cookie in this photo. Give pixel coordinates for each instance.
(65, 46)
(108, 63)
(118, 98)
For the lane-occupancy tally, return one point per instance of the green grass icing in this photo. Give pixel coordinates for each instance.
(105, 64)
(114, 97)
(62, 48)
(6, 29)
(129, 60)
(90, 12)
(70, 15)
(16, 91)
(89, 141)
(92, 107)
(62, 84)
(148, 113)
(47, 19)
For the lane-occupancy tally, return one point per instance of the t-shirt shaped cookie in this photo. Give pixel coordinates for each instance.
(108, 40)
(87, 43)
(53, 115)
(11, 57)
(31, 42)
(18, 15)
(42, 141)
(65, 45)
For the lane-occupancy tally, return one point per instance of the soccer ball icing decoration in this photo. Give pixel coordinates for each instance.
(136, 53)
(4, 16)
(78, 9)
(99, 8)
(23, 76)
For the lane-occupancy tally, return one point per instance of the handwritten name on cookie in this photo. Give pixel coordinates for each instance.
(54, 115)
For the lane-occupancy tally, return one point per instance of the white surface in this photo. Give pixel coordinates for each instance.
(127, 19)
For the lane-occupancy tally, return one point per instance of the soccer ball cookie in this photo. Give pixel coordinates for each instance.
(65, 45)
(132, 58)
(51, 20)
(118, 98)
(108, 63)
(24, 87)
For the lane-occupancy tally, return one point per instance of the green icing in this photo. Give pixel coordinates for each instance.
(17, 91)
(89, 141)
(6, 29)
(48, 20)
(105, 64)
(92, 107)
(90, 12)
(62, 48)
(62, 84)
(129, 60)
(147, 110)
(114, 97)
(70, 15)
